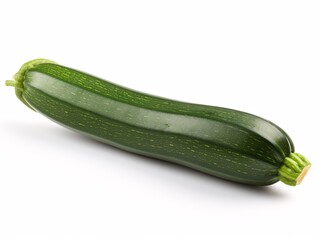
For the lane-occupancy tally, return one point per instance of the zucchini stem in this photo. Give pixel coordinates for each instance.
(11, 83)
(293, 169)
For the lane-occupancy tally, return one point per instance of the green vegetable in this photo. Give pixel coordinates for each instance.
(226, 143)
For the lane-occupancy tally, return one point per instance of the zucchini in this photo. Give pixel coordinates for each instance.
(225, 143)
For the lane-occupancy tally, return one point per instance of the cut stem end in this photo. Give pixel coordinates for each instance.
(293, 169)
(303, 174)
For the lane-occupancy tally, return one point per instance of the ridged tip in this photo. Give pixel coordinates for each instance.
(294, 169)
(19, 77)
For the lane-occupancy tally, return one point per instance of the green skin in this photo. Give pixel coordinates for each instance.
(226, 143)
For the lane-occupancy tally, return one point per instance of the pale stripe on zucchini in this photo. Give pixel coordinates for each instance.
(222, 142)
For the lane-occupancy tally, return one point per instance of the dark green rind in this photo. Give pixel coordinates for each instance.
(263, 137)
(226, 143)
(254, 124)
(198, 154)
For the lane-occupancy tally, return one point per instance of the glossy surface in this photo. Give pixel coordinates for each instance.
(222, 142)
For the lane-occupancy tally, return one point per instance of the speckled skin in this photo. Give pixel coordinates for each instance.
(225, 143)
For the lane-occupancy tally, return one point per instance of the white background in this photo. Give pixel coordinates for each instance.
(260, 57)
